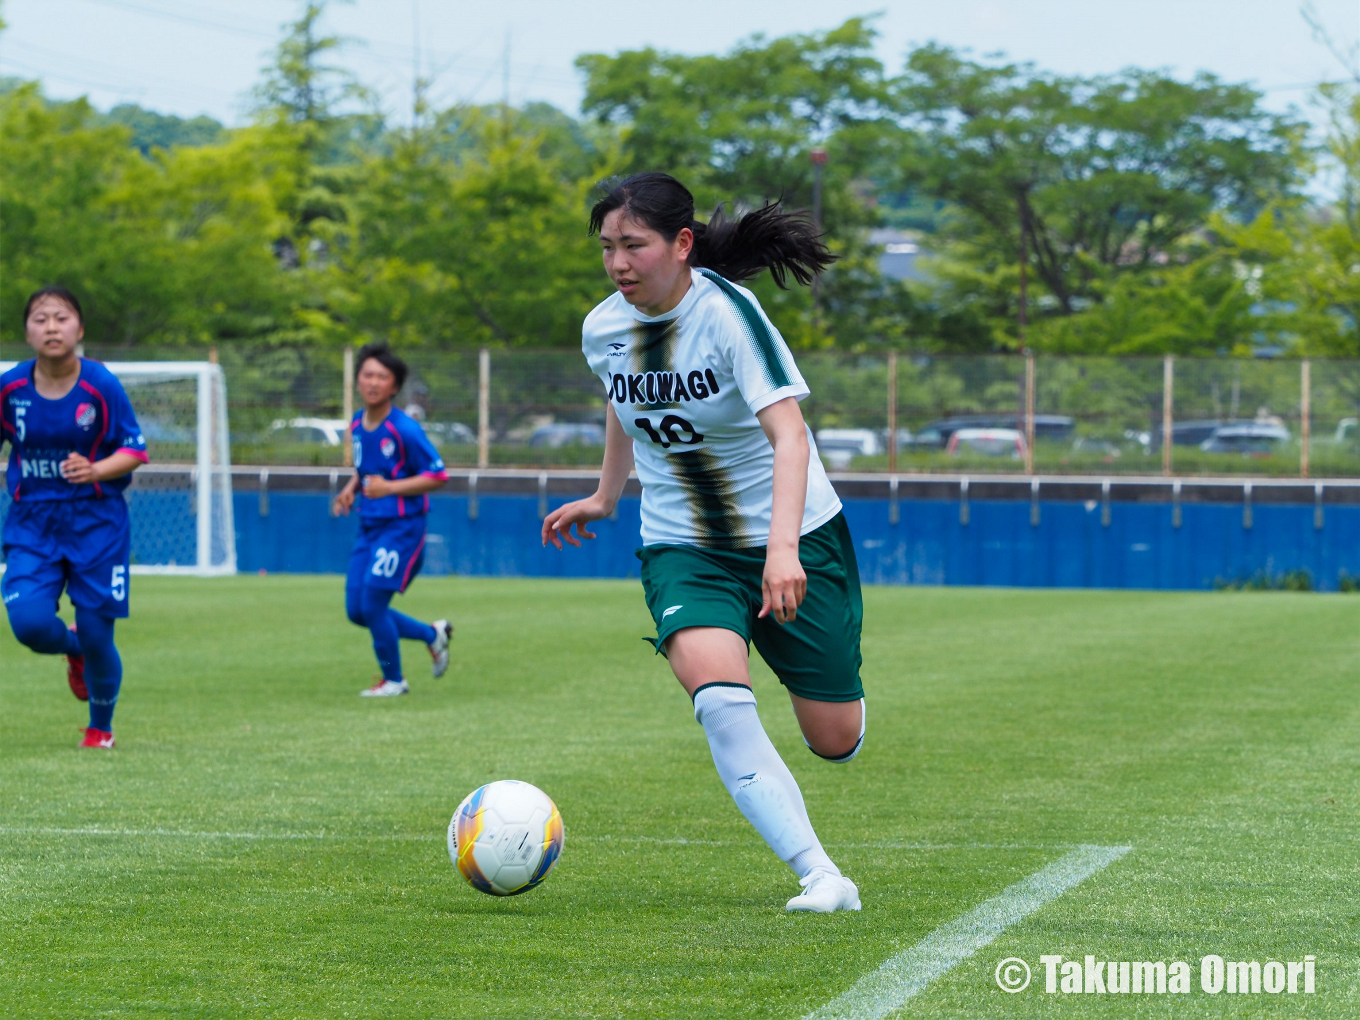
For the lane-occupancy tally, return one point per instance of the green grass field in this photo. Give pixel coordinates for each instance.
(271, 845)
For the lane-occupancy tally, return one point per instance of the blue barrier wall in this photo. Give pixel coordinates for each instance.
(1068, 548)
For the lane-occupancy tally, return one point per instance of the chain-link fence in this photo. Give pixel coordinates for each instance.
(902, 412)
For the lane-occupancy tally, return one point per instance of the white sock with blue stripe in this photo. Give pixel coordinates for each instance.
(757, 778)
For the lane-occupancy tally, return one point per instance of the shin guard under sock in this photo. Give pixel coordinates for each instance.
(756, 777)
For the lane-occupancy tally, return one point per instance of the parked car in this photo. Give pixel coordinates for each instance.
(928, 438)
(1058, 427)
(559, 434)
(313, 431)
(1099, 447)
(156, 431)
(1255, 439)
(1193, 433)
(988, 442)
(450, 433)
(840, 446)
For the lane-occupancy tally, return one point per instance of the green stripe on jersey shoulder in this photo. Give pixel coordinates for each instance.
(757, 332)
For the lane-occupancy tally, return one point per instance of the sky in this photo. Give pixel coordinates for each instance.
(202, 56)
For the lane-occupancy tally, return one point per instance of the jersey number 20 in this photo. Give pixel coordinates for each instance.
(385, 562)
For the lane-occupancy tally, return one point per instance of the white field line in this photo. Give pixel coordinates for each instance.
(897, 979)
(39, 830)
(45, 830)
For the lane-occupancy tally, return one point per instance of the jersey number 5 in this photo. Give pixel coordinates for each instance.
(667, 434)
(118, 583)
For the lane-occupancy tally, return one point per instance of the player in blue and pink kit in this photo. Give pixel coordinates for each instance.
(74, 443)
(395, 468)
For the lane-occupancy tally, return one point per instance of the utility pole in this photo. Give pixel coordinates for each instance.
(505, 86)
(1024, 273)
(819, 158)
(417, 85)
(1027, 414)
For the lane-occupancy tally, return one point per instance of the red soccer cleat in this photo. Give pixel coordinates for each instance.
(96, 738)
(75, 673)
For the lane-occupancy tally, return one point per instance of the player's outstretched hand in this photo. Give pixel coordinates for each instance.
(783, 586)
(344, 503)
(557, 525)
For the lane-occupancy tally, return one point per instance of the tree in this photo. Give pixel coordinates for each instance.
(1103, 175)
(741, 127)
(489, 247)
(173, 247)
(298, 86)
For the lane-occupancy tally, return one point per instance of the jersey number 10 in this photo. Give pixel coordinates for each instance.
(667, 431)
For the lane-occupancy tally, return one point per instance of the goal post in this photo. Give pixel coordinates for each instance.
(180, 504)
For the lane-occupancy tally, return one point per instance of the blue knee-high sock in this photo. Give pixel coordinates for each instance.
(412, 629)
(386, 637)
(103, 666)
(36, 624)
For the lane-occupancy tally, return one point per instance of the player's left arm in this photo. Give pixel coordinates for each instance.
(376, 486)
(80, 470)
(784, 584)
(128, 455)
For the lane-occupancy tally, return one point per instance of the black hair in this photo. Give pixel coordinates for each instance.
(785, 243)
(57, 292)
(383, 355)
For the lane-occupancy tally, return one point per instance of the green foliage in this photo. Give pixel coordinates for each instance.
(151, 130)
(1105, 176)
(1159, 215)
(1290, 580)
(172, 246)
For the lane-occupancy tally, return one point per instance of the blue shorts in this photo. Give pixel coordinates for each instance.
(388, 553)
(81, 545)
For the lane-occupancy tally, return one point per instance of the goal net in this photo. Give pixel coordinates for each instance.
(180, 503)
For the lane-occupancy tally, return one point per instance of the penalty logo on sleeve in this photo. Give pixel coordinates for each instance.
(85, 415)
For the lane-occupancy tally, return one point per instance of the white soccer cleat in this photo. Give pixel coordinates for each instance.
(823, 893)
(439, 648)
(385, 689)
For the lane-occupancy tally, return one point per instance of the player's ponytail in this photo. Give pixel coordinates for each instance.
(785, 243)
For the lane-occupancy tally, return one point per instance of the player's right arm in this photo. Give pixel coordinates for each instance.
(618, 464)
(344, 499)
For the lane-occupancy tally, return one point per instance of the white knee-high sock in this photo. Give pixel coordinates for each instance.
(757, 778)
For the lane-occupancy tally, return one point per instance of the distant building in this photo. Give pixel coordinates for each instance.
(898, 254)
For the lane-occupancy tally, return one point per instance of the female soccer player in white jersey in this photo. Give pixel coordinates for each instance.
(743, 536)
(74, 443)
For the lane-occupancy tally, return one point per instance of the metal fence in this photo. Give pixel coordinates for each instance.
(897, 412)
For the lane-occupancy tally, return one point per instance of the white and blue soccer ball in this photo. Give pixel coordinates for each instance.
(505, 837)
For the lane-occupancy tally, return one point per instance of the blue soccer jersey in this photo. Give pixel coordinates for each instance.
(398, 448)
(94, 420)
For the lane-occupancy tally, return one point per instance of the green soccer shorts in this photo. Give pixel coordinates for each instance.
(816, 656)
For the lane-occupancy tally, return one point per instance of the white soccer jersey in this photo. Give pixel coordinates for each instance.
(686, 386)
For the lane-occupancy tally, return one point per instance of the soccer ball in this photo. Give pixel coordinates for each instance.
(505, 837)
